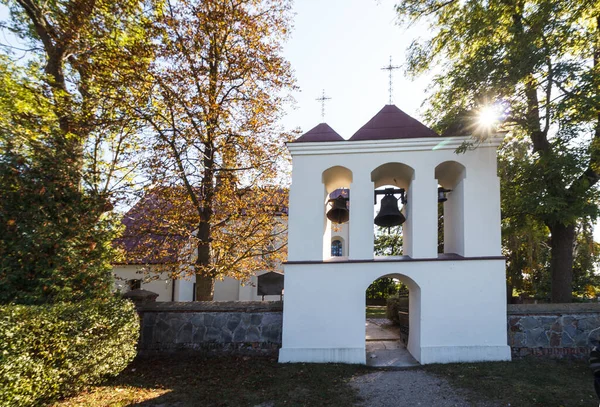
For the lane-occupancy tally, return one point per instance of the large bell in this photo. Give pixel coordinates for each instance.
(338, 213)
(389, 215)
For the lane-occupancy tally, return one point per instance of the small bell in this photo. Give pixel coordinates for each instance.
(389, 215)
(442, 194)
(338, 213)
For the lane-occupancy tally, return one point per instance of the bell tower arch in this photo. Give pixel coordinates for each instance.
(452, 320)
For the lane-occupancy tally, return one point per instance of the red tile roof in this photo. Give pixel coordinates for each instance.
(392, 123)
(321, 132)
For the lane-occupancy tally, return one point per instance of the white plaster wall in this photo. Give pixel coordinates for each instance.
(227, 289)
(307, 195)
(184, 289)
(337, 232)
(163, 286)
(230, 289)
(457, 310)
(305, 228)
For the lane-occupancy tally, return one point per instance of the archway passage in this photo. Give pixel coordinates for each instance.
(387, 327)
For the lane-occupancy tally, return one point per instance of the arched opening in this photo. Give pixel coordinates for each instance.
(336, 182)
(391, 182)
(450, 176)
(392, 329)
(337, 247)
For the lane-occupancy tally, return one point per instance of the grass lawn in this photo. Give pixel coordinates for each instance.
(250, 381)
(376, 311)
(223, 381)
(524, 383)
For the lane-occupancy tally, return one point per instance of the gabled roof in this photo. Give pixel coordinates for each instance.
(322, 132)
(392, 123)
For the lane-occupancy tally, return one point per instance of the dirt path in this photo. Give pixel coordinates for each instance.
(411, 387)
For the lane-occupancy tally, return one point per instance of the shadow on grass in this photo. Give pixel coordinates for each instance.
(189, 380)
(528, 382)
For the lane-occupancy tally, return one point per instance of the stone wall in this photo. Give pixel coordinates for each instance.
(237, 327)
(543, 330)
(553, 330)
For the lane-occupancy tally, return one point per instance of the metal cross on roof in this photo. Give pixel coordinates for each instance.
(322, 99)
(390, 68)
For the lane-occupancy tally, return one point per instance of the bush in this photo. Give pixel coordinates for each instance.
(395, 304)
(50, 351)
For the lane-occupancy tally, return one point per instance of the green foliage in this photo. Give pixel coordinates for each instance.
(526, 239)
(536, 62)
(586, 283)
(50, 351)
(54, 235)
(388, 242)
(54, 243)
(395, 304)
(383, 288)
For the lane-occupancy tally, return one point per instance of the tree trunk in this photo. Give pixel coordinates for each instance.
(561, 263)
(204, 288)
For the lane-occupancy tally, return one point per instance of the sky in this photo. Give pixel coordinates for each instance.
(340, 46)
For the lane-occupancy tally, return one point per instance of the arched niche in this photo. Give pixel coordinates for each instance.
(396, 174)
(451, 175)
(336, 177)
(344, 251)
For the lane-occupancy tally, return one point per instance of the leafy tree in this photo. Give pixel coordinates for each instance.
(88, 56)
(383, 288)
(586, 282)
(66, 143)
(388, 241)
(526, 240)
(536, 62)
(47, 253)
(218, 87)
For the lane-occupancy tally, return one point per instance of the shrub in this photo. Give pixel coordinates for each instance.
(50, 351)
(55, 237)
(395, 304)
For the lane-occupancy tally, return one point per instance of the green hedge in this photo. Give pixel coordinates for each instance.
(50, 351)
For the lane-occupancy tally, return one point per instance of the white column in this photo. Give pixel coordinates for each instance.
(482, 222)
(360, 240)
(422, 217)
(327, 235)
(306, 214)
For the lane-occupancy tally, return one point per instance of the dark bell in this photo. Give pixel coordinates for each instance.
(338, 213)
(442, 194)
(389, 215)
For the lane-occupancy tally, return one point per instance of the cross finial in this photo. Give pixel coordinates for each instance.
(322, 99)
(390, 68)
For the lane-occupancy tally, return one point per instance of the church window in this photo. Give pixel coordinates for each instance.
(336, 248)
(134, 284)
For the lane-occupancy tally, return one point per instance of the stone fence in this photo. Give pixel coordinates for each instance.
(544, 330)
(553, 330)
(231, 327)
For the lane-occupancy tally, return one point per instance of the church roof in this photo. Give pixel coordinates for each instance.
(321, 132)
(392, 123)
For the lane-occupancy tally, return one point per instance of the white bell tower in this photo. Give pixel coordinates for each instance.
(457, 298)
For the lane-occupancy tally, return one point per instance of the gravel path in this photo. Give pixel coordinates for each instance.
(399, 388)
